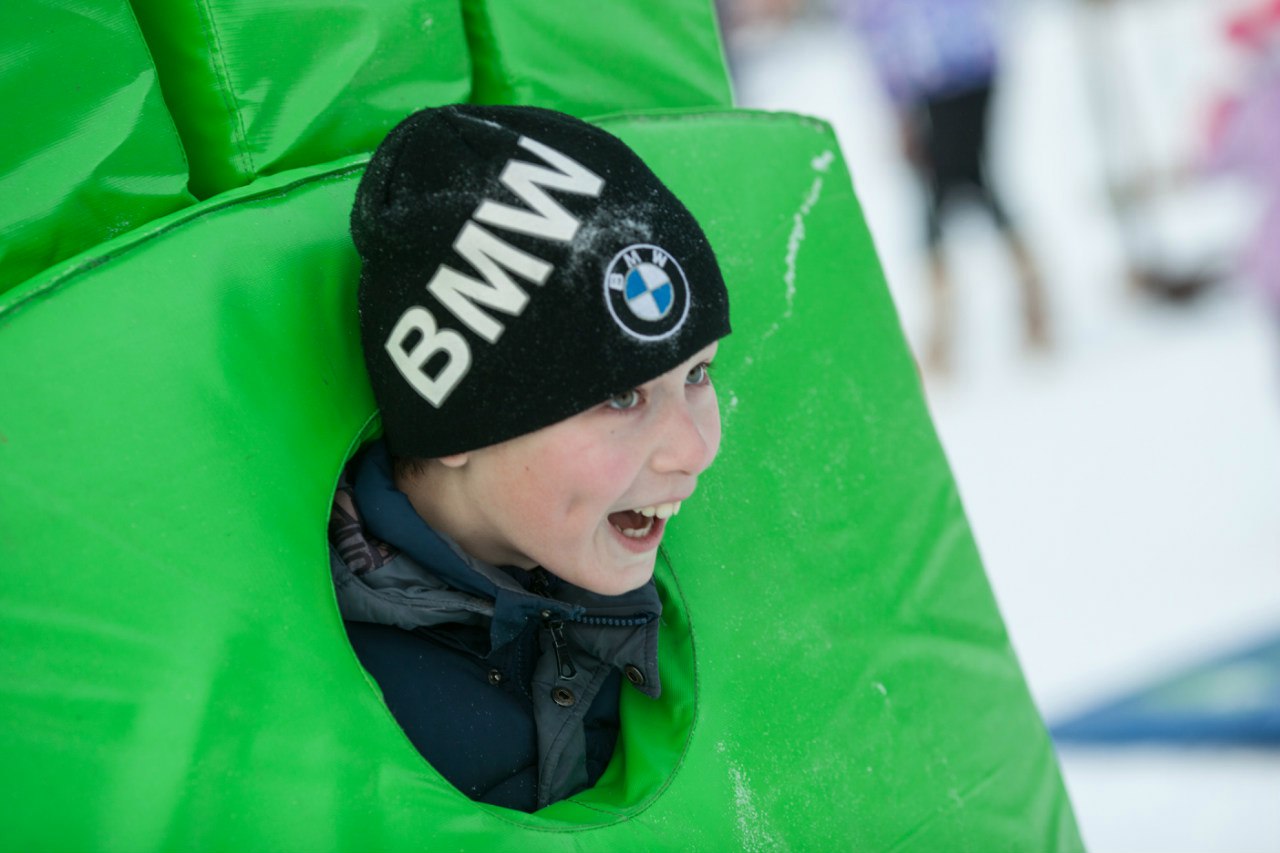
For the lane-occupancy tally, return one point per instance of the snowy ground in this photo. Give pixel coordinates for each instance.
(1125, 489)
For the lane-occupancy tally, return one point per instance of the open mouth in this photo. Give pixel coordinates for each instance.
(639, 523)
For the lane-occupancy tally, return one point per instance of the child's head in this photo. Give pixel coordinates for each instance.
(536, 311)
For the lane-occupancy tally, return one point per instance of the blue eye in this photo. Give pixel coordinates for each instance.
(699, 375)
(625, 400)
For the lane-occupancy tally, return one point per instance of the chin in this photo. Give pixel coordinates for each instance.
(611, 579)
(626, 580)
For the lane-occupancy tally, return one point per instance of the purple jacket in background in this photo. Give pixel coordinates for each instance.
(1250, 145)
(927, 48)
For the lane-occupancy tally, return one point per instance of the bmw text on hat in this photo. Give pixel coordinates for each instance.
(495, 260)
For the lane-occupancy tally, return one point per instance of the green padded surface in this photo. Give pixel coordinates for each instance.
(260, 87)
(176, 676)
(586, 57)
(88, 150)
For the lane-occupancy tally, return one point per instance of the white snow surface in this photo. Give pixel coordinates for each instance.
(1125, 487)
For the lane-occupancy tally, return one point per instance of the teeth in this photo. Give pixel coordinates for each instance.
(652, 512)
(665, 510)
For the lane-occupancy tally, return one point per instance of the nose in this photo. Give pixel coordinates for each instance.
(688, 437)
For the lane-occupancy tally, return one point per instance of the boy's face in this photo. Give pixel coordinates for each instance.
(566, 497)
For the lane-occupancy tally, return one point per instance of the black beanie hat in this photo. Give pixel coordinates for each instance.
(519, 266)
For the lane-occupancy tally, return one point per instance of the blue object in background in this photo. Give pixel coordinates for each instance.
(1232, 700)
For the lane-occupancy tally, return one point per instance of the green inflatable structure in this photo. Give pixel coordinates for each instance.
(88, 149)
(177, 401)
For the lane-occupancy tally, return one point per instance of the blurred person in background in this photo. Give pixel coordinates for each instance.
(1245, 138)
(938, 62)
(753, 21)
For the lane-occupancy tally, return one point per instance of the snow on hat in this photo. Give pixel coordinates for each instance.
(519, 266)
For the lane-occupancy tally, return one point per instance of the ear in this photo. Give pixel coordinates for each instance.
(456, 460)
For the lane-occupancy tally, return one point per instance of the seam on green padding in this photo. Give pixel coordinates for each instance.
(67, 277)
(490, 74)
(755, 116)
(217, 58)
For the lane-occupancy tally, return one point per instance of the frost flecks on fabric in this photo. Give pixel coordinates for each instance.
(820, 164)
(754, 833)
(605, 231)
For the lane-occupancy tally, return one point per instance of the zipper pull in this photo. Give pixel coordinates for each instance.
(564, 663)
(541, 584)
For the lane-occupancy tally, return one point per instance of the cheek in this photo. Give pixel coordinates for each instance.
(709, 425)
(522, 494)
(600, 478)
(588, 478)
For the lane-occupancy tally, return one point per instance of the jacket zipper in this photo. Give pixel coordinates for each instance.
(565, 666)
(555, 625)
(564, 663)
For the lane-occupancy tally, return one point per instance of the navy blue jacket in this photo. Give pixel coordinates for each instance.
(506, 680)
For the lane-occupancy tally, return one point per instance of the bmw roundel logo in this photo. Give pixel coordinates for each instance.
(646, 291)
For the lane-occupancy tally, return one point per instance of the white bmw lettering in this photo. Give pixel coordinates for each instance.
(547, 218)
(496, 261)
(492, 258)
(632, 258)
(412, 362)
(659, 257)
